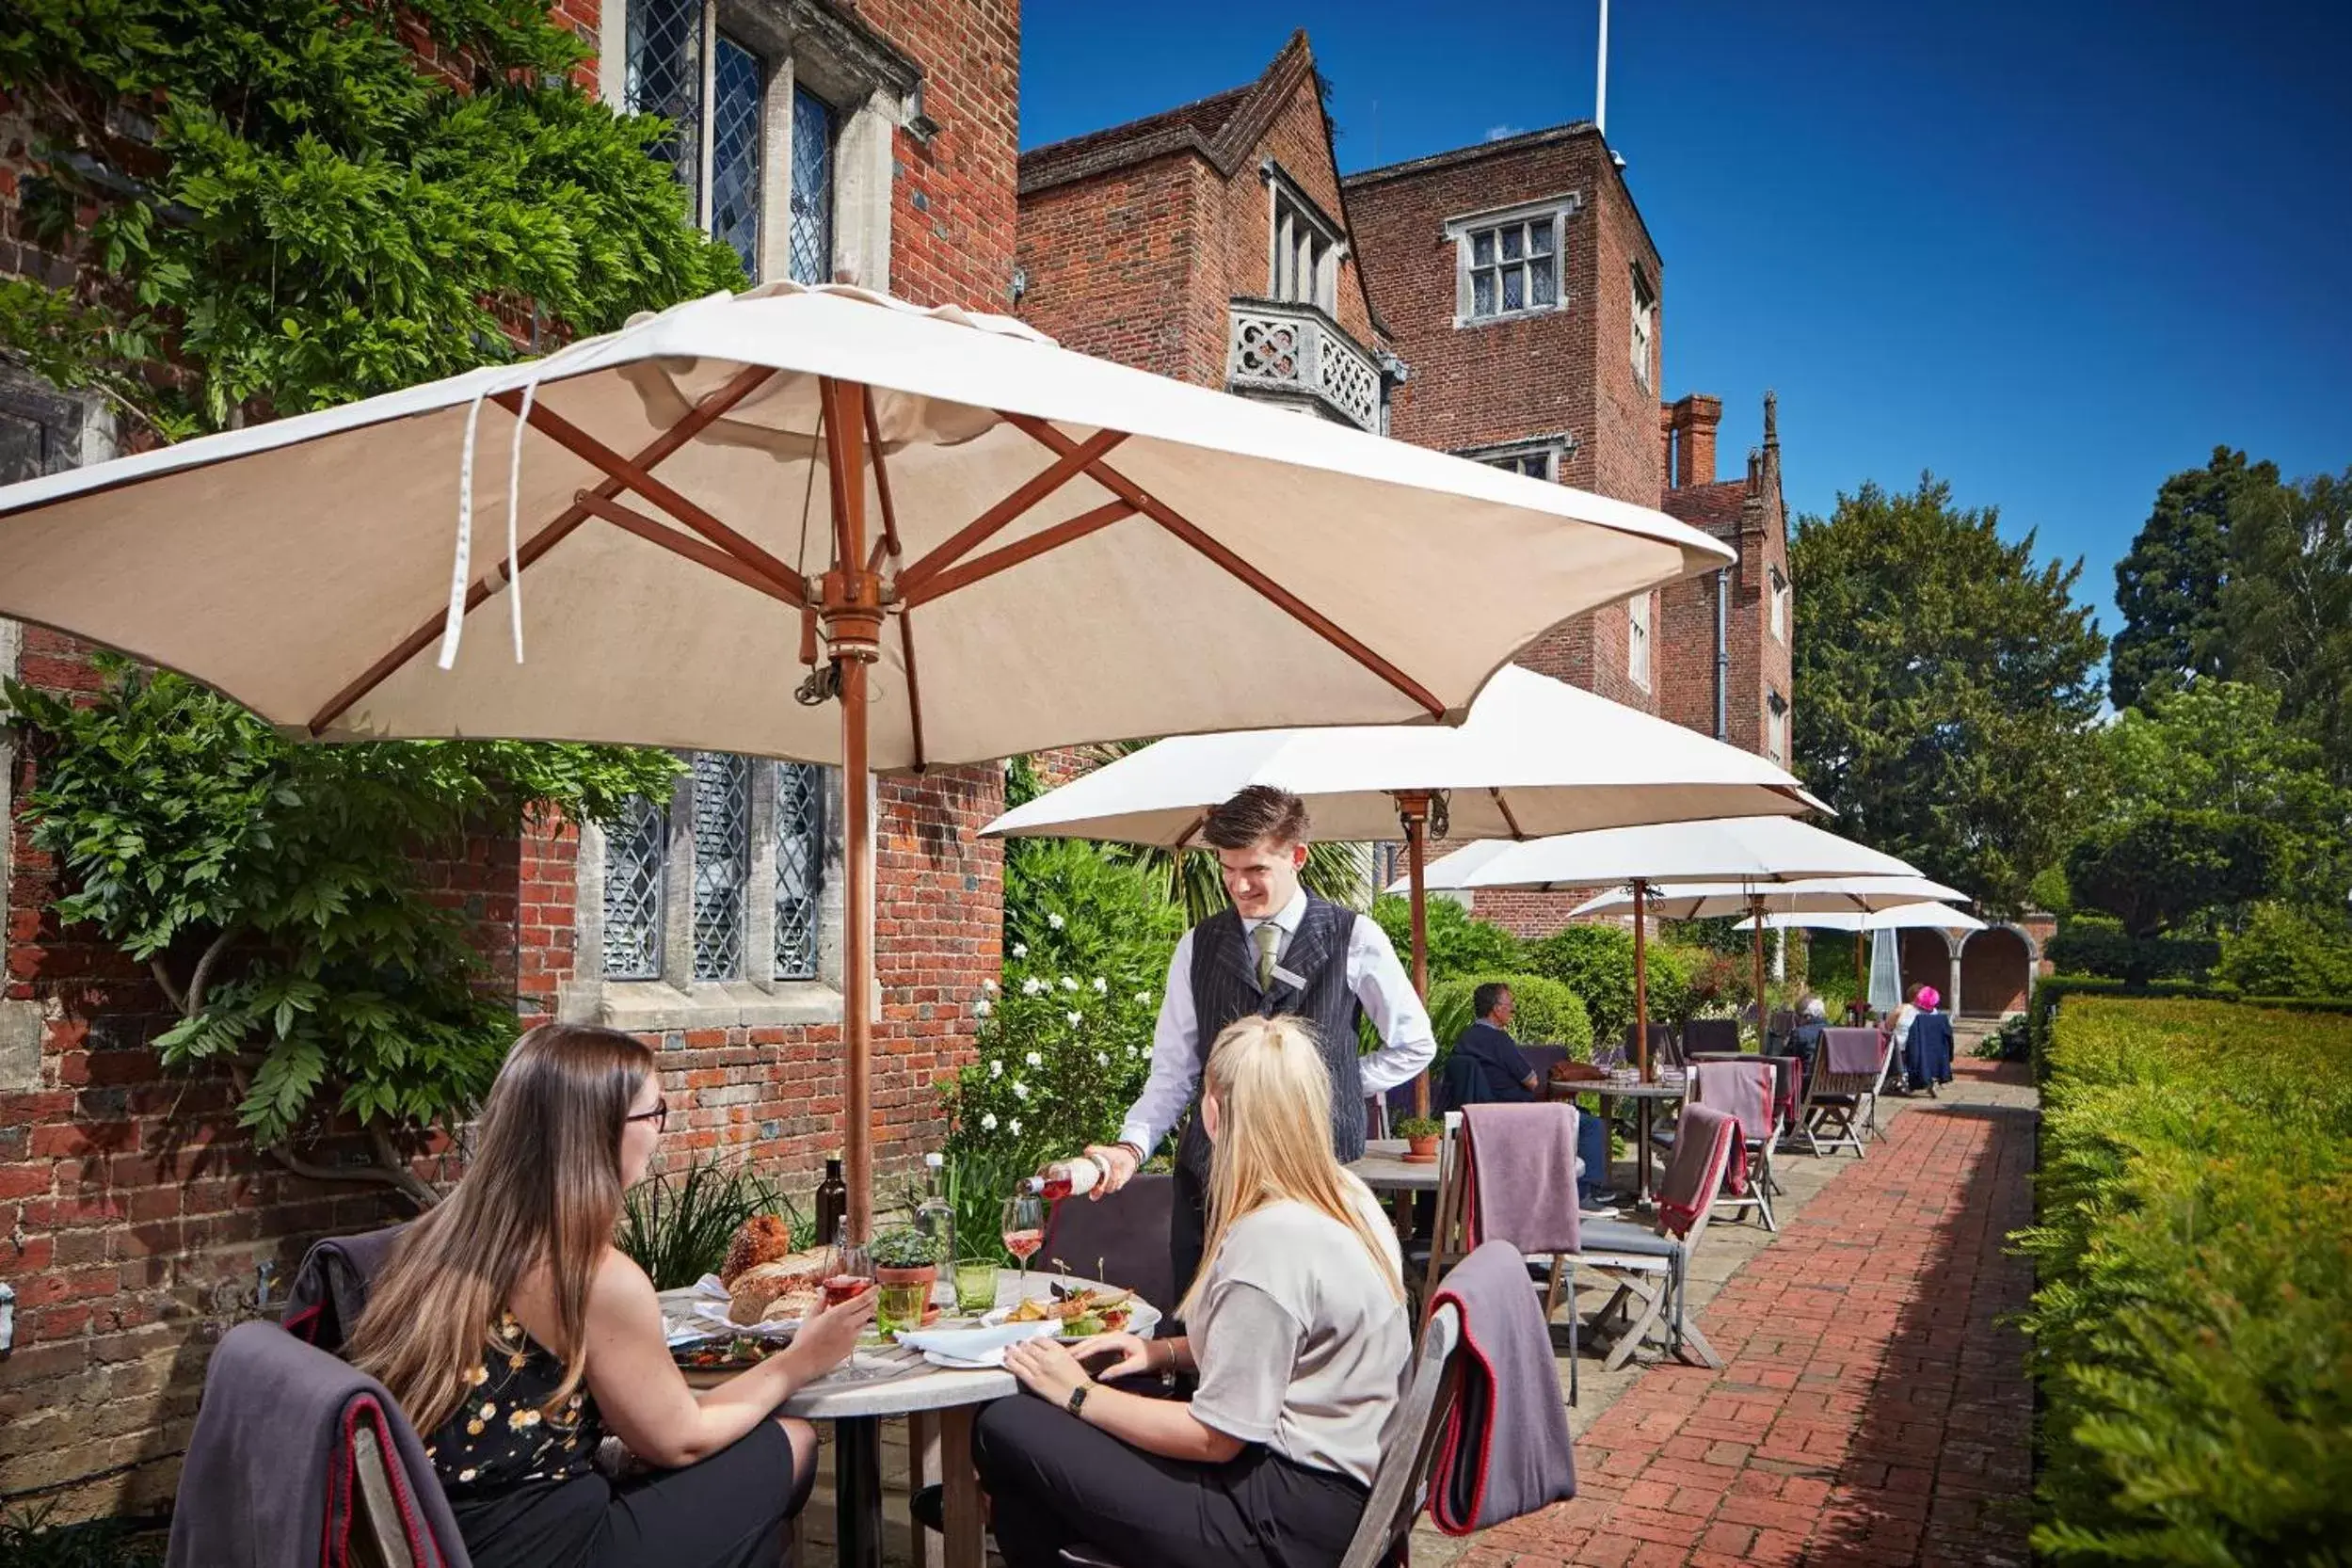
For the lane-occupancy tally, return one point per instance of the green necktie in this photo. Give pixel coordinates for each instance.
(1266, 937)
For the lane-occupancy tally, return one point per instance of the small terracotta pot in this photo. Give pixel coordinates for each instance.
(927, 1275)
(1421, 1151)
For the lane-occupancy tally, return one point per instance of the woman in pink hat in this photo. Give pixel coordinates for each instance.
(1927, 1044)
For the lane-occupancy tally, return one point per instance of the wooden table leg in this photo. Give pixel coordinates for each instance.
(963, 1512)
(857, 1492)
(1642, 1155)
(923, 1469)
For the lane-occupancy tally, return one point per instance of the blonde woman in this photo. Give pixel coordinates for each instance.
(516, 1336)
(1298, 1331)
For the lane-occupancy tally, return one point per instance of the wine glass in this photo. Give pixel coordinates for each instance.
(1024, 1232)
(848, 1271)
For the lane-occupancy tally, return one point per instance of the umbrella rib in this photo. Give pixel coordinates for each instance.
(656, 451)
(982, 566)
(1504, 806)
(1298, 609)
(1074, 459)
(711, 557)
(595, 453)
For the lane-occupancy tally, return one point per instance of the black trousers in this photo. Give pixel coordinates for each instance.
(727, 1511)
(1055, 1481)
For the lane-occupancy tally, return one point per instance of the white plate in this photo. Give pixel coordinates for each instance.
(1142, 1319)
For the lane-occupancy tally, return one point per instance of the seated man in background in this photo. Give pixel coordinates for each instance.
(1487, 1067)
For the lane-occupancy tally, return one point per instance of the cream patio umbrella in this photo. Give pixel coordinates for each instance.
(1535, 756)
(1902, 917)
(956, 539)
(1741, 859)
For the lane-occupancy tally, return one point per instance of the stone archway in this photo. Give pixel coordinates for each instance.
(1997, 972)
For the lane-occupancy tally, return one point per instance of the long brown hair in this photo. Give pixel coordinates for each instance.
(543, 1190)
(1274, 1140)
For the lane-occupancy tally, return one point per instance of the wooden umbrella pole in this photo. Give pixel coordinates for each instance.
(1755, 910)
(850, 614)
(1412, 814)
(1642, 981)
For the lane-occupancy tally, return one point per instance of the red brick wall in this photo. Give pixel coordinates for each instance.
(1115, 268)
(1297, 141)
(132, 1214)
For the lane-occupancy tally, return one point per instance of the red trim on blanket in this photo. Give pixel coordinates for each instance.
(303, 1325)
(1450, 1442)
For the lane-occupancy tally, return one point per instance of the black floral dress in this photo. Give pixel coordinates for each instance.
(505, 1433)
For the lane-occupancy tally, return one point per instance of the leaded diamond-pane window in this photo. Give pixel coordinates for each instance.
(739, 82)
(799, 868)
(633, 892)
(1515, 266)
(664, 77)
(722, 821)
(810, 245)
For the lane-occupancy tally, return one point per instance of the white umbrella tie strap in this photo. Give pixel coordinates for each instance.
(514, 511)
(461, 562)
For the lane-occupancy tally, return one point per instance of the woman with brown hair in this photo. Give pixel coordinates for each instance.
(1297, 1328)
(516, 1336)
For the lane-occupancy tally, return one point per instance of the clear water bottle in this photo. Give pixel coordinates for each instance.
(934, 1216)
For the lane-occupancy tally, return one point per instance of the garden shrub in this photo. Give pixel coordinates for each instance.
(1549, 1012)
(2193, 1325)
(2098, 944)
(1064, 1047)
(1458, 942)
(1596, 963)
(2284, 952)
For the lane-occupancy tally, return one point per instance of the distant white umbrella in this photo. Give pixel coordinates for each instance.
(1902, 917)
(808, 487)
(1750, 854)
(1817, 900)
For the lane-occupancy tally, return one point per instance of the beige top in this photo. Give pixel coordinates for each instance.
(1300, 1342)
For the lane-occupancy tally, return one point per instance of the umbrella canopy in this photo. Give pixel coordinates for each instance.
(1740, 849)
(1536, 755)
(1067, 549)
(1903, 916)
(974, 543)
(1788, 902)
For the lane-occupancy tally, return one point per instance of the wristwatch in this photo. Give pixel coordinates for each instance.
(1077, 1399)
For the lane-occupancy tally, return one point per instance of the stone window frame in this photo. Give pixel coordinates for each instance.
(1775, 727)
(1643, 346)
(1513, 455)
(1640, 641)
(676, 1000)
(1780, 605)
(1459, 230)
(1326, 241)
(873, 89)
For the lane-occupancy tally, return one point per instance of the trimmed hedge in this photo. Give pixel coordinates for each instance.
(2042, 1014)
(2192, 1327)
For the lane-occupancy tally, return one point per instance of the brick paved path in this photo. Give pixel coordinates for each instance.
(1869, 1409)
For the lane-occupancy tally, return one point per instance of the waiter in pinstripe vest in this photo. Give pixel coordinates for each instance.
(1278, 950)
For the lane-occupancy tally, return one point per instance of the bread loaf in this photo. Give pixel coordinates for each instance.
(763, 1238)
(757, 1287)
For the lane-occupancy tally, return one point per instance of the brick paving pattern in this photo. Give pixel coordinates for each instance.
(1872, 1407)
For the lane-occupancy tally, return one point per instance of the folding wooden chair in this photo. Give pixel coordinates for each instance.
(1747, 1089)
(1838, 1104)
(1652, 1267)
(1400, 1482)
(1449, 1241)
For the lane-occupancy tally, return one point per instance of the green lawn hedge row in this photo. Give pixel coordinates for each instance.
(2192, 1329)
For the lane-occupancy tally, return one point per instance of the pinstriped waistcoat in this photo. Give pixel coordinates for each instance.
(1224, 988)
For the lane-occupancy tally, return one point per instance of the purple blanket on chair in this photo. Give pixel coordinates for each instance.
(1504, 1449)
(1845, 1052)
(1519, 1175)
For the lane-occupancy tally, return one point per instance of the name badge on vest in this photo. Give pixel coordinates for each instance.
(1296, 981)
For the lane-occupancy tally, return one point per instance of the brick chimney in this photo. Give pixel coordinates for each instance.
(1690, 424)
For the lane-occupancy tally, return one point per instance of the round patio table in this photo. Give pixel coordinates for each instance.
(1385, 1168)
(939, 1404)
(1644, 1097)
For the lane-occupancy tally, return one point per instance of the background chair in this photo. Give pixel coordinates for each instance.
(1121, 1238)
(1652, 1266)
(1744, 1087)
(1837, 1102)
(1709, 1034)
(1449, 1241)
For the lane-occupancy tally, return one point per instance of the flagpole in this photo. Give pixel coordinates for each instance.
(1600, 78)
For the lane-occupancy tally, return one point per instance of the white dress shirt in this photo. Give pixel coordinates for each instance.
(1375, 977)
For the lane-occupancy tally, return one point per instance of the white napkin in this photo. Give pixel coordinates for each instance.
(975, 1347)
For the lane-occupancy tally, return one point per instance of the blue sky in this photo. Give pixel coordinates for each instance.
(2054, 252)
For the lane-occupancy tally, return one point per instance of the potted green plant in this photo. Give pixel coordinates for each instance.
(1420, 1135)
(905, 1255)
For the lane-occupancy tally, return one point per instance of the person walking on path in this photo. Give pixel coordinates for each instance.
(1278, 950)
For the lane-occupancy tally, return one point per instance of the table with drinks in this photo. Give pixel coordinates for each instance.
(1625, 1082)
(884, 1380)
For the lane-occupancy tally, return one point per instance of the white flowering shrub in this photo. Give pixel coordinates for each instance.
(1065, 1040)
